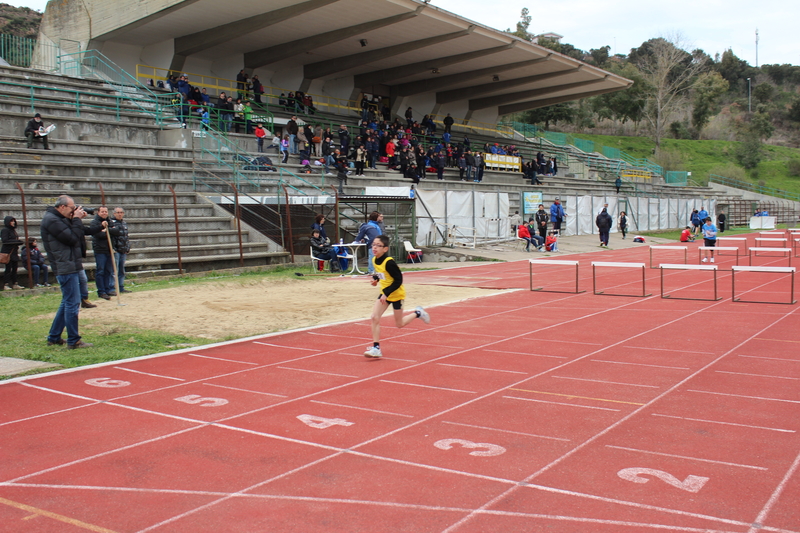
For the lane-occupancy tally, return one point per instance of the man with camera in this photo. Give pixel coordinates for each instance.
(63, 237)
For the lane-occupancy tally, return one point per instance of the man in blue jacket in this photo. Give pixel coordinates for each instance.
(369, 230)
(557, 215)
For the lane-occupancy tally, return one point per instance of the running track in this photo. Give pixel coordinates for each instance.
(519, 412)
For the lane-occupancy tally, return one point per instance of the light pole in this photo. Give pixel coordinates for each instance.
(749, 107)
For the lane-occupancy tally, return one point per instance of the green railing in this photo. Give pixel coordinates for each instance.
(584, 145)
(768, 191)
(17, 51)
(676, 177)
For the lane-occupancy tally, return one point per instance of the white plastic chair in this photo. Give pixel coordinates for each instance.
(315, 261)
(413, 253)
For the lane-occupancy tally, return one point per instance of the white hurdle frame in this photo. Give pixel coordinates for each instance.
(742, 240)
(665, 266)
(776, 270)
(684, 248)
(795, 246)
(771, 241)
(596, 264)
(756, 249)
(532, 262)
(772, 233)
(701, 249)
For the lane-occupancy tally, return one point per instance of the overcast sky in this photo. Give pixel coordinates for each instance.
(713, 25)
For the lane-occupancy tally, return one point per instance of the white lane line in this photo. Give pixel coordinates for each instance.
(385, 358)
(762, 516)
(338, 335)
(287, 347)
(525, 353)
(505, 431)
(725, 423)
(427, 386)
(476, 334)
(481, 368)
(93, 402)
(772, 358)
(756, 375)
(401, 341)
(146, 373)
(223, 359)
(361, 408)
(561, 342)
(743, 396)
(246, 390)
(640, 364)
(665, 349)
(609, 382)
(316, 372)
(561, 403)
(685, 457)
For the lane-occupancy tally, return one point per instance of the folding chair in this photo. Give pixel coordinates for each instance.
(413, 253)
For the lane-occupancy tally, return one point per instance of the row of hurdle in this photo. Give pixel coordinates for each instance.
(663, 267)
(768, 242)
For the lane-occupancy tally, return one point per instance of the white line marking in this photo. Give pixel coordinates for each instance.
(664, 349)
(539, 340)
(246, 390)
(561, 403)
(762, 516)
(361, 408)
(726, 423)
(641, 364)
(772, 358)
(743, 396)
(756, 375)
(361, 355)
(223, 359)
(287, 347)
(481, 368)
(685, 457)
(402, 341)
(505, 431)
(427, 386)
(524, 353)
(146, 373)
(316, 372)
(350, 337)
(609, 382)
(93, 402)
(476, 334)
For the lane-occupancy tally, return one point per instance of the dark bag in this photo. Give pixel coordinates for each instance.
(5, 259)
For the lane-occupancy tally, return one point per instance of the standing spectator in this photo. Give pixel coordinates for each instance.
(470, 162)
(32, 131)
(258, 89)
(369, 231)
(462, 166)
(285, 149)
(260, 134)
(542, 218)
(409, 117)
(62, 235)
(721, 221)
(122, 244)
(38, 266)
(344, 140)
(623, 224)
(328, 153)
(703, 214)
(11, 244)
(557, 215)
(618, 183)
(604, 223)
(448, 123)
(440, 164)
(696, 222)
(104, 272)
(241, 84)
(479, 166)
(292, 129)
(555, 166)
(361, 157)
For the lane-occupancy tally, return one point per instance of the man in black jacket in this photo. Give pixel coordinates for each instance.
(542, 218)
(122, 244)
(62, 235)
(604, 223)
(32, 131)
(104, 271)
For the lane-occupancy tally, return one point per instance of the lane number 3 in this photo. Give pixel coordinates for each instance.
(690, 484)
(481, 449)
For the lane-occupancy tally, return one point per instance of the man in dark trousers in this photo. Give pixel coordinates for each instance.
(292, 129)
(32, 131)
(604, 223)
(542, 218)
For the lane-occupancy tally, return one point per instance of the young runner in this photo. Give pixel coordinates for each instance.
(709, 238)
(388, 276)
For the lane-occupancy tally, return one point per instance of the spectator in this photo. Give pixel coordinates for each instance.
(360, 159)
(369, 231)
(721, 221)
(205, 98)
(409, 116)
(551, 242)
(247, 113)
(258, 89)
(39, 269)
(292, 129)
(241, 84)
(344, 140)
(687, 235)
(319, 225)
(34, 131)
(104, 271)
(623, 224)
(557, 215)
(709, 238)
(285, 149)
(462, 166)
(470, 163)
(11, 244)
(260, 134)
(323, 251)
(448, 123)
(695, 218)
(604, 223)
(703, 214)
(479, 166)
(62, 234)
(122, 245)
(205, 120)
(537, 241)
(412, 172)
(440, 162)
(618, 183)
(542, 218)
(524, 233)
(340, 163)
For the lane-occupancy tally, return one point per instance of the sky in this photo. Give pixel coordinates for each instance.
(713, 25)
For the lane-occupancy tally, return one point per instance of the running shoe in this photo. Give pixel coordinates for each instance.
(423, 314)
(373, 351)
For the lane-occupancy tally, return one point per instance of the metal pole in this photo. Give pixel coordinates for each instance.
(289, 223)
(749, 107)
(238, 216)
(177, 229)
(102, 194)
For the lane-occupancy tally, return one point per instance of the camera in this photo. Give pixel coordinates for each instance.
(89, 210)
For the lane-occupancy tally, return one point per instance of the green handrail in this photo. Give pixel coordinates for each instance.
(760, 189)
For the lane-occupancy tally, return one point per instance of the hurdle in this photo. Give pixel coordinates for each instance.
(737, 240)
(753, 252)
(663, 267)
(772, 233)
(771, 241)
(684, 248)
(701, 249)
(774, 270)
(532, 262)
(596, 264)
(795, 246)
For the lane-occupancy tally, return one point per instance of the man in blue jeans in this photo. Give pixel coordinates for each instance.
(62, 235)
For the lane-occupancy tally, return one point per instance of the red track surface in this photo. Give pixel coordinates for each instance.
(520, 412)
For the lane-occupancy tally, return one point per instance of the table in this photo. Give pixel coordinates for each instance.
(353, 247)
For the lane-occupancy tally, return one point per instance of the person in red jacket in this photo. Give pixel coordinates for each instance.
(686, 235)
(525, 235)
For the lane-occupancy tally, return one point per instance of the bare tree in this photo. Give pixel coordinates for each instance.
(669, 71)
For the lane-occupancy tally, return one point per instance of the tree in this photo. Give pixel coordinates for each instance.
(707, 90)
(553, 113)
(522, 26)
(669, 72)
(622, 105)
(763, 92)
(600, 55)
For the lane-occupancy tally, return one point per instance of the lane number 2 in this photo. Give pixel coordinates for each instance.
(690, 484)
(317, 422)
(196, 399)
(481, 449)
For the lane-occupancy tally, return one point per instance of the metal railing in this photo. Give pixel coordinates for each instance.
(760, 189)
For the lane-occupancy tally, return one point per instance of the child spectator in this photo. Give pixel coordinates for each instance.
(686, 235)
(38, 267)
(260, 134)
(551, 242)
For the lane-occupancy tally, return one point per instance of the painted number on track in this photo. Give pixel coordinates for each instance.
(196, 399)
(107, 383)
(690, 484)
(318, 422)
(489, 450)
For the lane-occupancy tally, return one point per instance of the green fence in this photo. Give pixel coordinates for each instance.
(676, 177)
(583, 145)
(769, 191)
(28, 53)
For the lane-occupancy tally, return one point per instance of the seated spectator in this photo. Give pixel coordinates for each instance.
(537, 241)
(686, 235)
(324, 251)
(524, 234)
(34, 130)
(38, 266)
(551, 242)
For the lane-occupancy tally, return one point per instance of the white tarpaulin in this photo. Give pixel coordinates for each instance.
(479, 215)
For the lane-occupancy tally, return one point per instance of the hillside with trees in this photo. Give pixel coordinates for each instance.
(19, 21)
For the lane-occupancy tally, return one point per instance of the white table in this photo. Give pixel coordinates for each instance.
(353, 247)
